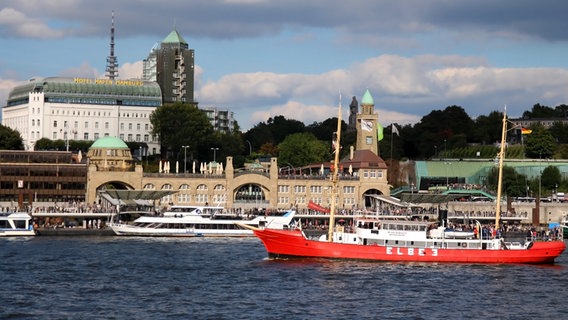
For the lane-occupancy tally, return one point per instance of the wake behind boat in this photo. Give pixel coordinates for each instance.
(16, 224)
(199, 221)
(371, 238)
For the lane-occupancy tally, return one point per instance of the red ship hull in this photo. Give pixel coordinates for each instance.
(293, 244)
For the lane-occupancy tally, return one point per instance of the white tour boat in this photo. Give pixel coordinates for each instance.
(196, 221)
(16, 224)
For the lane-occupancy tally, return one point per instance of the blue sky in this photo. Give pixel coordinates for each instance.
(262, 58)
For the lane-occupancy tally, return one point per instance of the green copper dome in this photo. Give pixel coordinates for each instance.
(109, 143)
(367, 98)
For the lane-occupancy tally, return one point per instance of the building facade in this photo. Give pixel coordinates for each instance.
(221, 120)
(83, 109)
(362, 172)
(28, 177)
(246, 189)
(264, 185)
(171, 65)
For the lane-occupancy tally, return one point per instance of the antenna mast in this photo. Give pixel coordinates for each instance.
(112, 61)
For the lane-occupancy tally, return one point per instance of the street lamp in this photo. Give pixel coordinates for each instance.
(214, 154)
(250, 147)
(293, 169)
(185, 158)
(447, 165)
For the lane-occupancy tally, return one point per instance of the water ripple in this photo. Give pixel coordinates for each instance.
(200, 278)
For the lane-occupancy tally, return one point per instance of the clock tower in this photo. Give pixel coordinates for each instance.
(367, 125)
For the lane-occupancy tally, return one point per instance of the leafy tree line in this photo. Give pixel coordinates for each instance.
(441, 133)
(518, 185)
(10, 139)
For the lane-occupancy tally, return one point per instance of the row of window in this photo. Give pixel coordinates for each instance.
(42, 185)
(130, 137)
(42, 171)
(86, 136)
(147, 126)
(251, 189)
(73, 112)
(313, 189)
(185, 187)
(347, 202)
(103, 101)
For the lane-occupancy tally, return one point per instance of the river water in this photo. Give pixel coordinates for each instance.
(204, 278)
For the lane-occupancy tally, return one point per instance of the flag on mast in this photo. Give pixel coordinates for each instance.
(380, 135)
(394, 129)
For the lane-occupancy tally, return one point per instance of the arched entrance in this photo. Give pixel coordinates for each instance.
(250, 195)
(369, 201)
(106, 203)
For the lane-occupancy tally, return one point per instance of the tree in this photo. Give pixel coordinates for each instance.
(274, 131)
(180, 124)
(43, 144)
(539, 144)
(229, 144)
(540, 111)
(559, 131)
(10, 139)
(550, 178)
(439, 131)
(282, 127)
(513, 184)
(300, 149)
(488, 128)
(324, 131)
(268, 149)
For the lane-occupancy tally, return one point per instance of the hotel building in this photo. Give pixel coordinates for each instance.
(83, 109)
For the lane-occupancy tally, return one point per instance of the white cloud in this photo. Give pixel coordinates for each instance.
(85, 70)
(130, 70)
(6, 85)
(404, 89)
(18, 24)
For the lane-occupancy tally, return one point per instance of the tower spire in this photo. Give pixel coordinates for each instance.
(112, 61)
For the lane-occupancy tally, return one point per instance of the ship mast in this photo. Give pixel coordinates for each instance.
(334, 177)
(501, 156)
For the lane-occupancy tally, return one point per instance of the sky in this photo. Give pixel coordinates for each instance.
(301, 59)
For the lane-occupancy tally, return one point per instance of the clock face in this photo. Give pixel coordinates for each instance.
(366, 125)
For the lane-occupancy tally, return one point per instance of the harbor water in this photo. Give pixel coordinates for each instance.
(222, 278)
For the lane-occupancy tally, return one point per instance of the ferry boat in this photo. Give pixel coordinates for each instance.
(197, 221)
(404, 240)
(16, 224)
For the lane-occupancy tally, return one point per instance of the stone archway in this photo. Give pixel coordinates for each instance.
(250, 195)
(109, 185)
(96, 179)
(367, 200)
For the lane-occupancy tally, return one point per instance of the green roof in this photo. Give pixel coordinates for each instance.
(174, 37)
(89, 91)
(83, 86)
(367, 98)
(109, 143)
